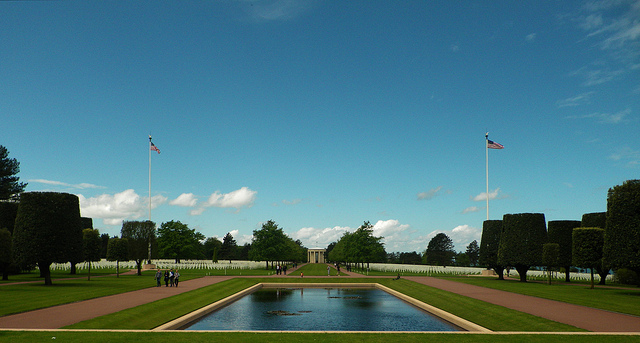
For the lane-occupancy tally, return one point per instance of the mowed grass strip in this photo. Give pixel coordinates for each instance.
(615, 299)
(315, 269)
(243, 337)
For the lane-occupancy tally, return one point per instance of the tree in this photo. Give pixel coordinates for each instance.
(47, 224)
(339, 252)
(10, 187)
(91, 243)
(140, 236)
(598, 219)
(521, 242)
(410, 258)
(473, 252)
(489, 245)
(6, 258)
(367, 248)
(210, 246)
(440, 251)
(76, 255)
(118, 250)
(267, 244)
(8, 212)
(560, 232)
(461, 259)
(587, 248)
(242, 252)
(104, 239)
(550, 257)
(622, 232)
(176, 240)
(360, 246)
(228, 249)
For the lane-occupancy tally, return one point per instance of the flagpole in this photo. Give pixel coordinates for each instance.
(149, 259)
(486, 149)
(149, 177)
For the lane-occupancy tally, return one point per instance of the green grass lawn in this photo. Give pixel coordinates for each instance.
(315, 269)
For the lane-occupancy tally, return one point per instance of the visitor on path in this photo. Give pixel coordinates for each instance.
(328, 271)
(166, 278)
(284, 269)
(176, 277)
(159, 278)
(301, 274)
(172, 276)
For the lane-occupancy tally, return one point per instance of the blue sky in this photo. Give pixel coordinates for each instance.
(321, 115)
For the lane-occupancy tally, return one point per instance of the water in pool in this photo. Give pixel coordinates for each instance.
(321, 309)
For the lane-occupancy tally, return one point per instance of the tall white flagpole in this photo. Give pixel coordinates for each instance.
(149, 177)
(486, 149)
(149, 259)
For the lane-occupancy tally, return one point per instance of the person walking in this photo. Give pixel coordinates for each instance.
(172, 276)
(166, 278)
(159, 278)
(328, 271)
(176, 277)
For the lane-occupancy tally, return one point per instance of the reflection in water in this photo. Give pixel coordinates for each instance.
(315, 309)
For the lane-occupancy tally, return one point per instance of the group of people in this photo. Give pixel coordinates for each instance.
(281, 270)
(171, 278)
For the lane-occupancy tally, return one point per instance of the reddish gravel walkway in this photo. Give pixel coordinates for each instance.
(579, 316)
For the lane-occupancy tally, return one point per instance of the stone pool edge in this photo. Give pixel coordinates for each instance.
(189, 318)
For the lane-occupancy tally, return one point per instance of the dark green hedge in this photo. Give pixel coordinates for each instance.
(587, 246)
(523, 236)
(490, 243)
(47, 228)
(622, 231)
(560, 232)
(596, 219)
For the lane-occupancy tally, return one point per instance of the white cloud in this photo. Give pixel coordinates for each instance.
(314, 237)
(243, 197)
(607, 118)
(276, 10)
(483, 196)
(429, 194)
(184, 200)
(113, 209)
(580, 99)
(64, 184)
(292, 202)
(240, 239)
(613, 26)
(472, 209)
(628, 155)
(530, 37)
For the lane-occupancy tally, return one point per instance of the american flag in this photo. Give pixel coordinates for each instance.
(154, 147)
(490, 144)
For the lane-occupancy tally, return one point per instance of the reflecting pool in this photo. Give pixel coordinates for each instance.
(321, 309)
